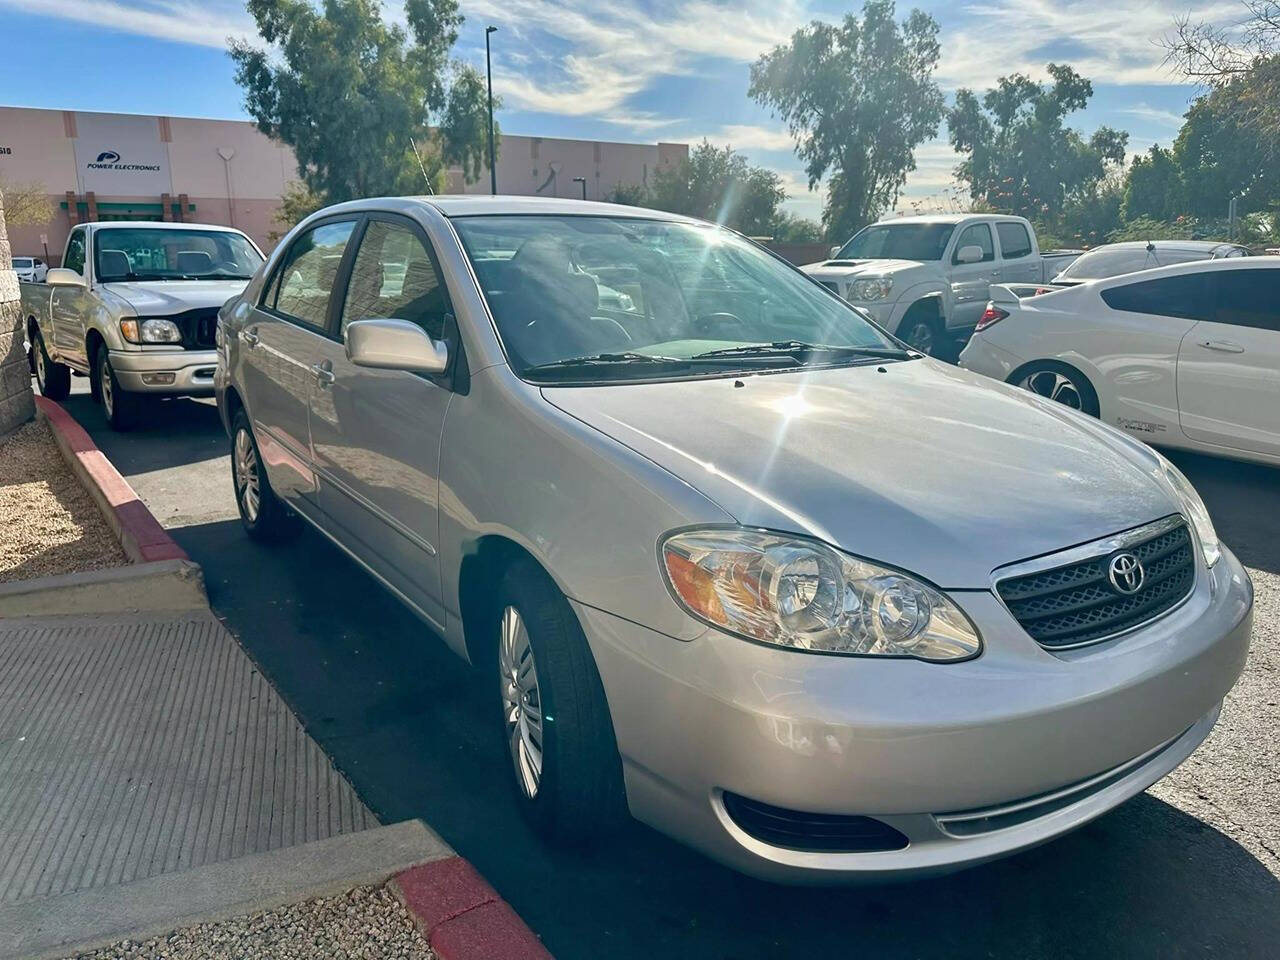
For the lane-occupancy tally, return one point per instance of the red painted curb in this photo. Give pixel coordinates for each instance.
(139, 531)
(462, 917)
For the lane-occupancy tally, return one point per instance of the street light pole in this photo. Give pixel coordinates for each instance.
(583, 181)
(488, 67)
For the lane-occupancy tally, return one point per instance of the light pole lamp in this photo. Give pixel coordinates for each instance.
(488, 67)
(583, 181)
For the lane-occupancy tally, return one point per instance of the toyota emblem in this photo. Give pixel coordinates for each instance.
(1125, 573)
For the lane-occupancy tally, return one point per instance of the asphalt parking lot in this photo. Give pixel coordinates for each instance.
(1191, 868)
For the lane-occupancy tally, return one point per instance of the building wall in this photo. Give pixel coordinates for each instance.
(233, 175)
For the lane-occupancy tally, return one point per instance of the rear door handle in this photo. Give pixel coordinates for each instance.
(323, 372)
(1222, 346)
(249, 338)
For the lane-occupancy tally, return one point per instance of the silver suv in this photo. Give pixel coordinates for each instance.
(734, 559)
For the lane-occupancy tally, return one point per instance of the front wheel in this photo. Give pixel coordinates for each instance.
(120, 406)
(1061, 384)
(53, 378)
(922, 332)
(556, 724)
(262, 514)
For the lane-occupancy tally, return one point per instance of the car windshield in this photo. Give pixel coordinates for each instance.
(138, 253)
(587, 298)
(1113, 261)
(898, 241)
(21, 263)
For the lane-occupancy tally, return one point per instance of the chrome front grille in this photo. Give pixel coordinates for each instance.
(1076, 601)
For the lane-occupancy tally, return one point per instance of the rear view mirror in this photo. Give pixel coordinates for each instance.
(969, 254)
(63, 277)
(395, 345)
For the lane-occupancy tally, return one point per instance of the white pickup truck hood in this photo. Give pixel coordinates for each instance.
(847, 269)
(163, 298)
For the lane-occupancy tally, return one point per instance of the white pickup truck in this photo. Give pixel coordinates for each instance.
(925, 278)
(134, 307)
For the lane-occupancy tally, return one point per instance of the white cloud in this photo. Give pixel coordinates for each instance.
(1165, 118)
(203, 24)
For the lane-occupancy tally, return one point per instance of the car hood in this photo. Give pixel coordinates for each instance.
(916, 464)
(844, 269)
(162, 298)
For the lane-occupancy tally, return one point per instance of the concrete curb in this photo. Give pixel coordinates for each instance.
(462, 917)
(140, 533)
(160, 586)
(91, 919)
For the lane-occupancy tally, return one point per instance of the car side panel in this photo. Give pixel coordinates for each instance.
(1229, 387)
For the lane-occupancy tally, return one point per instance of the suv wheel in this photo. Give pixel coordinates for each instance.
(53, 379)
(119, 405)
(264, 517)
(555, 719)
(921, 331)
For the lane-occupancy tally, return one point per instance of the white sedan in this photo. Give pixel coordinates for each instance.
(1182, 356)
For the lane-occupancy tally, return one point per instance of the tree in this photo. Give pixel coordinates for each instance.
(717, 183)
(354, 96)
(17, 405)
(26, 204)
(1018, 154)
(1221, 152)
(1154, 187)
(296, 204)
(630, 194)
(789, 228)
(858, 97)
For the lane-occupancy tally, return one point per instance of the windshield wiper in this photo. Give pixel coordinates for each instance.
(791, 348)
(606, 358)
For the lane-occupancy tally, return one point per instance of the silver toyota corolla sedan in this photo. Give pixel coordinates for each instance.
(730, 557)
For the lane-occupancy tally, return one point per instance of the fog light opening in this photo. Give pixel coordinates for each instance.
(157, 379)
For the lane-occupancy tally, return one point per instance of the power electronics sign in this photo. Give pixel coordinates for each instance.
(121, 156)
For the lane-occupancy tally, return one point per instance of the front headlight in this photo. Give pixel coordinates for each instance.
(1196, 510)
(150, 330)
(874, 289)
(805, 595)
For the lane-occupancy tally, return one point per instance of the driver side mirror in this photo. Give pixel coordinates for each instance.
(63, 277)
(395, 345)
(970, 254)
(834, 252)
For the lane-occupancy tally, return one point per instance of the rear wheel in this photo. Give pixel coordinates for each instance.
(264, 517)
(555, 720)
(1061, 384)
(53, 379)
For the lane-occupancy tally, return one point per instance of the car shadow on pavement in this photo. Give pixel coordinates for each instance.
(414, 730)
(190, 429)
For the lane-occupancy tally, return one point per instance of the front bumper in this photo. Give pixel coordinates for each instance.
(187, 373)
(930, 749)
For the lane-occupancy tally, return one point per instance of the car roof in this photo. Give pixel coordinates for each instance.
(1206, 246)
(470, 205)
(951, 218)
(162, 225)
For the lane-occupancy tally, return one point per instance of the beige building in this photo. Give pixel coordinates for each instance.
(111, 166)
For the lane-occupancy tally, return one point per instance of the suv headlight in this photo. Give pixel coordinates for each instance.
(1196, 511)
(150, 330)
(803, 594)
(874, 289)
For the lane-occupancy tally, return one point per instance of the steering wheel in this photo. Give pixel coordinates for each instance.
(609, 320)
(728, 324)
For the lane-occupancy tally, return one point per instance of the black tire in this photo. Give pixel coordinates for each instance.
(119, 406)
(922, 331)
(579, 795)
(54, 379)
(1059, 382)
(264, 517)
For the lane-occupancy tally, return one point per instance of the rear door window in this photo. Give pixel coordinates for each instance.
(305, 279)
(1188, 296)
(1015, 242)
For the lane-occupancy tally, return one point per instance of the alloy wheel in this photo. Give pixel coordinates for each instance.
(105, 385)
(1053, 386)
(521, 701)
(41, 373)
(248, 488)
(920, 337)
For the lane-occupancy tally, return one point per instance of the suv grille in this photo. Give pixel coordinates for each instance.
(1077, 603)
(197, 328)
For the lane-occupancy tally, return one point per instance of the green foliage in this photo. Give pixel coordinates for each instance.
(1018, 154)
(789, 228)
(352, 95)
(1154, 187)
(631, 194)
(297, 203)
(719, 184)
(858, 97)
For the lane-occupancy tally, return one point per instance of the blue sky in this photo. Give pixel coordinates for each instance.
(643, 70)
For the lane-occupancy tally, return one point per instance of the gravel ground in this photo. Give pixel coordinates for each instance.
(1233, 781)
(49, 523)
(368, 923)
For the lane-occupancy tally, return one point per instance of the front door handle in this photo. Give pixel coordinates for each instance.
(249, 338)
(323, 372)
(1222, 346)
